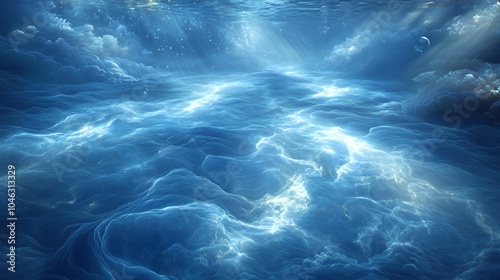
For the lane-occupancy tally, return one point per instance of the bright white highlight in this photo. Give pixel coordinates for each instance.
(331, 91)
(206, 98)
(287, 205)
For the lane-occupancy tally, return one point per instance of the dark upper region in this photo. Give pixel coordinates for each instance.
(491, 52)
(12, 16)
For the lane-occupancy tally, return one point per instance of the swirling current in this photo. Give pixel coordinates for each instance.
(268, 139)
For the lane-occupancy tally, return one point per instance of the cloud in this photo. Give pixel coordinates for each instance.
(64, 54)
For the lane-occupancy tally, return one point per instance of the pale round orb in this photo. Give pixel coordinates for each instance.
(422, 44)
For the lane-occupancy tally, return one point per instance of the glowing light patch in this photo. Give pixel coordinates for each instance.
(329, 151)
(149, 4)
(330, 91)
(296, 118)
(351, 50)
(89, 130)
(354, 145)
(287, 205)
(130, 111)
(208, 98)
(253, 37)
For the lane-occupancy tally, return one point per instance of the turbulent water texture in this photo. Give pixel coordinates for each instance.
(269, 139)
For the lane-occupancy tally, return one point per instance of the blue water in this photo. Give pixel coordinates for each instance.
(269, 139)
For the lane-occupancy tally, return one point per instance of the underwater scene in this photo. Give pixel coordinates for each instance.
(266, 139)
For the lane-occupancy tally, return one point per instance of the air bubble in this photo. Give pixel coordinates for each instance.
(422, 44)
